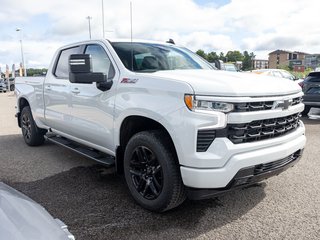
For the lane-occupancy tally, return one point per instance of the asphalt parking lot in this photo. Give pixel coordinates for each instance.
(72, 189)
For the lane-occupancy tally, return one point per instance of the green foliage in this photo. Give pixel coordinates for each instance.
(212, 56)
(247, 61)
(36, 71)
(202, 54)
(233, 56)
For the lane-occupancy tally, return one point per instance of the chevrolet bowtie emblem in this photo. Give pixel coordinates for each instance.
(283, 104)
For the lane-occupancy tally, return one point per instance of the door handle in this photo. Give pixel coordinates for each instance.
(47, 87)
(75, 90)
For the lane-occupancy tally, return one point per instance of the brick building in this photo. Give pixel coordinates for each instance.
(283, 58)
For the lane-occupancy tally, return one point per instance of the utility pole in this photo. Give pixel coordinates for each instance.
(22, 56)
(89, 19)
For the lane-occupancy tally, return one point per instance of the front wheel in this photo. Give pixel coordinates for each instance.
(152, 171)
(32, 135)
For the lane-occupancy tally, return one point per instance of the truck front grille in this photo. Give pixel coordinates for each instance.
(271, 166)
(260, 106)
(261, 129)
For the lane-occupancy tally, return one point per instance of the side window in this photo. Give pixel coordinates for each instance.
(100, 60)
(62, 68)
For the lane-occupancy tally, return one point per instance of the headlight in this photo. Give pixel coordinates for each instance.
(197, 104)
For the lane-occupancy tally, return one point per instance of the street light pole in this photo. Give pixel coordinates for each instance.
(102, 20)
(89, 18)
(22, 57)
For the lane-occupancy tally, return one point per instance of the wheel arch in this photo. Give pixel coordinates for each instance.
(135, 124)
(22, 102)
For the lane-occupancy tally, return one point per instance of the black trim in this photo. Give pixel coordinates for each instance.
(204, 139)
(248, 176)
(259, 129)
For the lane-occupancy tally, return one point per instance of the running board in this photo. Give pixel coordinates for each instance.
(103, 158)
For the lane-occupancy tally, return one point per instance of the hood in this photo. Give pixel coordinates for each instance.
(223, 83)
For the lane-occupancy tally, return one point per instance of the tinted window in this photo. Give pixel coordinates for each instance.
(62, 69)
(149, 57)
(312, 79)
(100, 60)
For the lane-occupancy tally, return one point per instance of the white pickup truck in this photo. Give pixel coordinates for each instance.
(162, 116)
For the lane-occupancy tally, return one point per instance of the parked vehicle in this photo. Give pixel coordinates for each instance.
(162, 116)
(23, 219)
(229, 67)
(12, 84)
(3, 85)
(311, 90)
(280, 73)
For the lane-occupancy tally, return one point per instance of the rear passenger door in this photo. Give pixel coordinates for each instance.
(57, 98)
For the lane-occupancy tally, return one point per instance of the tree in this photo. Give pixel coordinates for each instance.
(212, 56)
(247, 61)
(233, 56)
(222, 57)
(202, 54)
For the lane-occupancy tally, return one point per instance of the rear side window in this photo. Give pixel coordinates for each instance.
(313, 78)
(62, 69)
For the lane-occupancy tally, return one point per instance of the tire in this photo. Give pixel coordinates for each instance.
(32, 135)
(152, 171)
(306, 110)
(11, 88)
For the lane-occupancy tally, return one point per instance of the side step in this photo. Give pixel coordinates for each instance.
(103, 158)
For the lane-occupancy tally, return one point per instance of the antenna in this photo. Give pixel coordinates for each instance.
(131, 36)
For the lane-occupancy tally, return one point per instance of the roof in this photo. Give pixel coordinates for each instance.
(279, 51)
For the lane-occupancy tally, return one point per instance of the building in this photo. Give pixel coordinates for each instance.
(312, 61)
(260, 64)
(279, 58)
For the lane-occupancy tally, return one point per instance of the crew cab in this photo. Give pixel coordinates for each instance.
(160, 115)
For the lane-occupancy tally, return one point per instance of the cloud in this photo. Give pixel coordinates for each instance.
(253, 25)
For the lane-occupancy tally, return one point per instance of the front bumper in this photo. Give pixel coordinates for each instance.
(248, 176)
(220, 177)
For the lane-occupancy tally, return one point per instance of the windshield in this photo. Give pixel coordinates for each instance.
(287, 75)
(150, 57)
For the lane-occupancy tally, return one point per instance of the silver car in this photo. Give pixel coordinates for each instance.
(23, 219)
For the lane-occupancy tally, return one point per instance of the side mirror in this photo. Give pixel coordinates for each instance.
(80, 70)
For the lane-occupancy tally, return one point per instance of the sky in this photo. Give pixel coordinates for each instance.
(259, 26)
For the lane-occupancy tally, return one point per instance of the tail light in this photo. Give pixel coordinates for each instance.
(301, 84)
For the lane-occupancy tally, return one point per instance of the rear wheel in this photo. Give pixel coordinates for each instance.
(32, 135)
(305, 111)
(12, 87)
(152, 171)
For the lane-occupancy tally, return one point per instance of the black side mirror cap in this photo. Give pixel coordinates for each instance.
(80, 63)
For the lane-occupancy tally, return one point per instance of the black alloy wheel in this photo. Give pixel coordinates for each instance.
(32, 135)
(146, 173)
(152, 171)
(26, 127)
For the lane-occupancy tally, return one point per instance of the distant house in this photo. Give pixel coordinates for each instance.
(286, 58)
